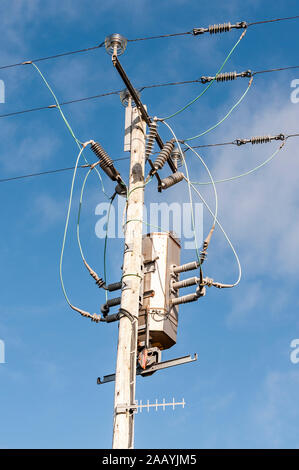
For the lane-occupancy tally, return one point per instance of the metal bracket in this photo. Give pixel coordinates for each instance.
(158, 366)
(128, 247)
(123, 409)
(149, 267)
(143, 112)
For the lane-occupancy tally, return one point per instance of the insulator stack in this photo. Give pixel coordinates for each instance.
(191, 281)
(184, 299)
(186, 267)
(219, 28)
(110, 303)
(105, 161)
(227, 76)
(114, 286)
(262, 139)
(164, 155)
(99, 281)
(152, 133)
(113, 302)
(172, 179)
(266, 138)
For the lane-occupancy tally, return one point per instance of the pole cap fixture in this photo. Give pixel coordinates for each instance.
(115, 44)
(176, 157)
(125, 95)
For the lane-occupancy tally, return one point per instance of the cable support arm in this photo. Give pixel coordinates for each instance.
(142, 110)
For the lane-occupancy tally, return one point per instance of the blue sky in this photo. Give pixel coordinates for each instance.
(243, 390)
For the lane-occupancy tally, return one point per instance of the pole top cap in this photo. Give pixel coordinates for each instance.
(115, 44)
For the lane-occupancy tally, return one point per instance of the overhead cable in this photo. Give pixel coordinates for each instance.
(145, 87)
(212, 29)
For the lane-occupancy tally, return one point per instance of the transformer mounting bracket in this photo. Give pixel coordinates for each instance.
(153, 368)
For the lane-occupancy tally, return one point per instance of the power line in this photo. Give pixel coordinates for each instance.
(276, 70)
(59, 170)
(48, 172)
(146, 38)
(146, 87)
(273, 21)
(88, 98)
(63, 54)
(160, 36)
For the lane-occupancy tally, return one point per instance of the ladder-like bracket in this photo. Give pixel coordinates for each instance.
(153, 368)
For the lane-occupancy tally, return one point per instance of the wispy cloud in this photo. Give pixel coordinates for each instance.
(276, 411)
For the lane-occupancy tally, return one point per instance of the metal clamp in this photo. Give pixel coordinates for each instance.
(124, 409)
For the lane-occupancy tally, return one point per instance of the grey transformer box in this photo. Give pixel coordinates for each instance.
(158, 319)
(159, 301)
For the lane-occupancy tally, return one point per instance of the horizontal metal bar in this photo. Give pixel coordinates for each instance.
(159, 366)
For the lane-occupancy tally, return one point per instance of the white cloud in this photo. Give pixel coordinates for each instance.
(48, 211)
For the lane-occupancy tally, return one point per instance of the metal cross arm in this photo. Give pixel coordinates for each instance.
(139, 104)
(150, 370)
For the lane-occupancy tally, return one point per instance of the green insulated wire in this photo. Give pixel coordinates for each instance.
(106, 241)
(65, 119)
(66, 226)
(224, 233)
(79, 214)
(208, 86)
(57, 104)
(211, 182)
(243, 174)
(225, 117)
(190, 194)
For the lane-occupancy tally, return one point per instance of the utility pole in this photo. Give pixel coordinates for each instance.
(153, 336)
(125, 377)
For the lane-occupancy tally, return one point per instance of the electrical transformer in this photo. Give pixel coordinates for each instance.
(158, 319)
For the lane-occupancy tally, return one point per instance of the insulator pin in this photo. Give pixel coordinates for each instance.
(150, 139)
(164, 155)
(172, 179)
(105, 161)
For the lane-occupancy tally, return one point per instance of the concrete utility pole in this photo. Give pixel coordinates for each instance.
(124, 397)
